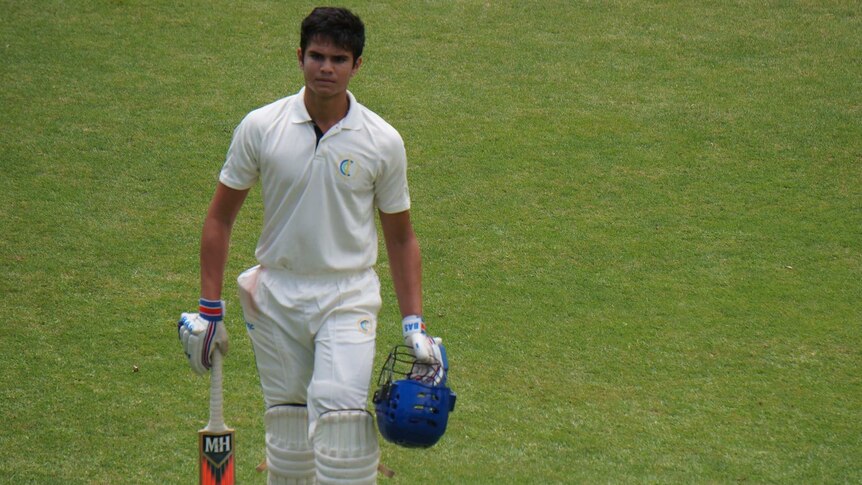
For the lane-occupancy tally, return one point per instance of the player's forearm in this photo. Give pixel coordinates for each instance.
(215, 242)
(215, 239)
(405, 263)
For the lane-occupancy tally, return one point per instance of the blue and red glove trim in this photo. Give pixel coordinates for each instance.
(212, 310)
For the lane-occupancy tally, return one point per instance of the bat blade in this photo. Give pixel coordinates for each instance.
(216, 440)
(216, 457)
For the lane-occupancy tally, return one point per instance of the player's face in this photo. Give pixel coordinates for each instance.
(327, 68)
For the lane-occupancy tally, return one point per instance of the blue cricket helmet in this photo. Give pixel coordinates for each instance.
(413, 411)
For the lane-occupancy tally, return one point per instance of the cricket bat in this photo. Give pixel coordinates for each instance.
(216, 441)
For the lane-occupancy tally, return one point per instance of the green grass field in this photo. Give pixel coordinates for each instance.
(641, 225)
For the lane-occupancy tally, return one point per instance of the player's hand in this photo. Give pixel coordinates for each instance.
(432, 372)
(416, 337)
(426, 349)
(201, 332)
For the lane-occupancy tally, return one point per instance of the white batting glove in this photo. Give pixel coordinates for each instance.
(201, 332)
(426, 349)
(415, 337)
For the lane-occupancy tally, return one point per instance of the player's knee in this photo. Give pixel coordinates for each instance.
(289, 455)
(345, 448)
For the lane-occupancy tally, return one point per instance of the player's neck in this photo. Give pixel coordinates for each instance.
(326, 112)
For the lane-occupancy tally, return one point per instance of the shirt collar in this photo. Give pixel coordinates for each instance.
(350, 122)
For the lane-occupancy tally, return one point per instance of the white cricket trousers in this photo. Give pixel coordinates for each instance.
(313, 336)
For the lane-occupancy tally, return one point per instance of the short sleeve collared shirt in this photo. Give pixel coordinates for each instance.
(319, 197)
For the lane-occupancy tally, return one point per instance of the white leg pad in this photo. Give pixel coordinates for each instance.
(345, 448)
(289, 456)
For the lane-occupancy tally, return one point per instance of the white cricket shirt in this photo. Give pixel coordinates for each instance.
(319, 198)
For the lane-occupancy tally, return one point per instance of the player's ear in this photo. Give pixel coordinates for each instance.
(356, 66)
(299, 55)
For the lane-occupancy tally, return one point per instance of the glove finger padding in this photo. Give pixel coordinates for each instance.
(432, 370)
(183, 332)
(422, 346)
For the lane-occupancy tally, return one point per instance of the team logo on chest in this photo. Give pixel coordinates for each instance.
(346, 167)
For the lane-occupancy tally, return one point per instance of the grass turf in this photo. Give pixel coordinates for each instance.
(641, 224)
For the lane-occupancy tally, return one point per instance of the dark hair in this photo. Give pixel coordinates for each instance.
(337, 25)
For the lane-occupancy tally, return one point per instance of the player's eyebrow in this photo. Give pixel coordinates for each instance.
(335, 57)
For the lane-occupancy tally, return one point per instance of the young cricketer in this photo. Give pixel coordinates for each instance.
(327, 165)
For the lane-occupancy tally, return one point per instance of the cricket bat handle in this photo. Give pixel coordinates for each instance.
(216, 422)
